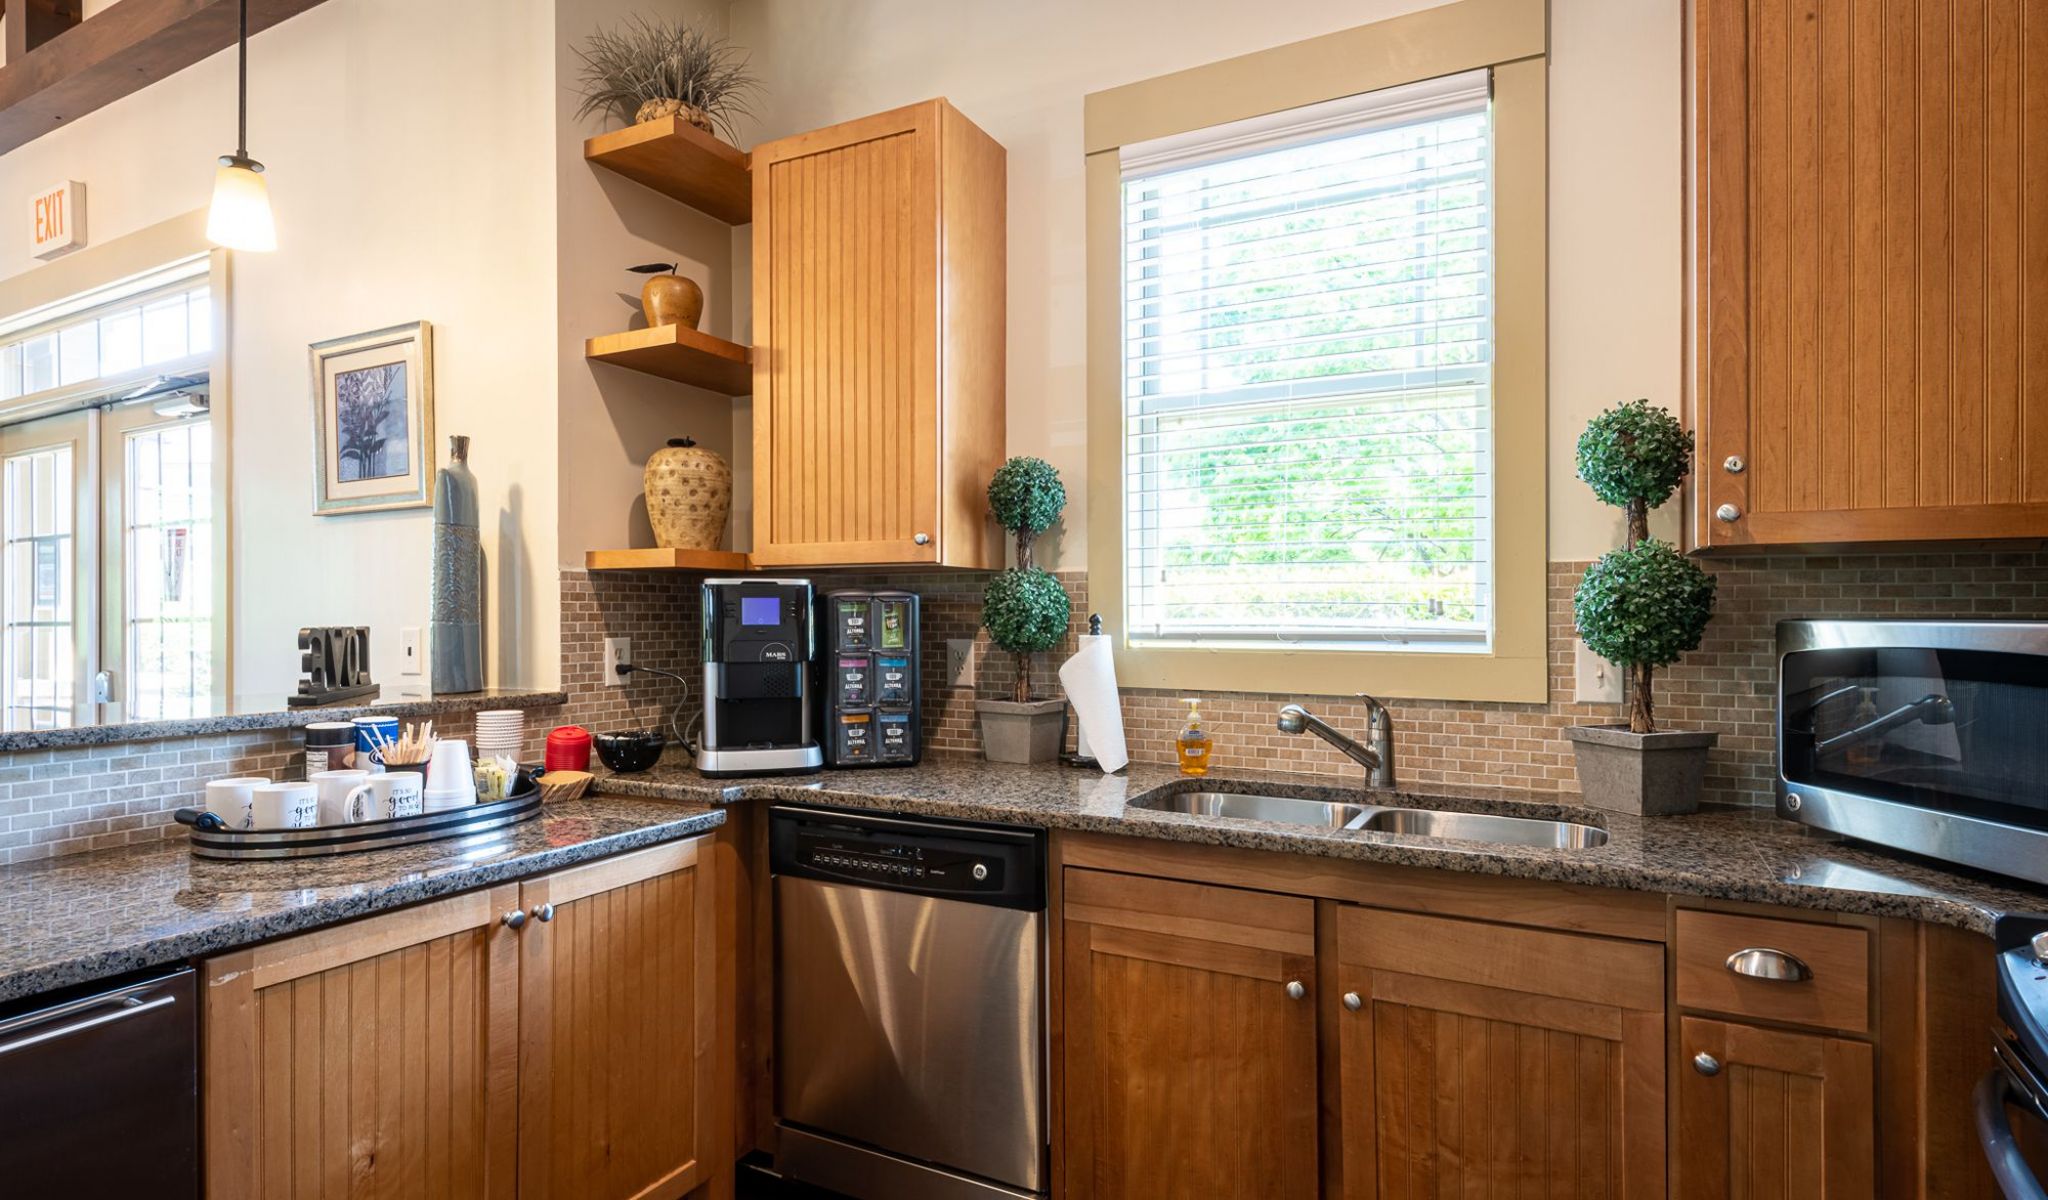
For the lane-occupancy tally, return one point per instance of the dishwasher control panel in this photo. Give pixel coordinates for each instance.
(989, 864)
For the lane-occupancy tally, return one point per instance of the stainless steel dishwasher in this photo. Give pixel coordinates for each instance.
(910, 1026)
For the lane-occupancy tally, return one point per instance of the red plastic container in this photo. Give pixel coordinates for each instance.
(568, 748)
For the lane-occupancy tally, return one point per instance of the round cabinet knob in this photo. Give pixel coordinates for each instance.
(1706, 1064)
(1728, 512)
(543, 912)
(922, 539)
(1733, 464)
(1295, 990)
(1353, 1001)
(513, 919)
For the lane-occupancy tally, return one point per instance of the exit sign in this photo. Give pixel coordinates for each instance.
(57, 219)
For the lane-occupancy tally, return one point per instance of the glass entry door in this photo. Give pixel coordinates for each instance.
(48, 573)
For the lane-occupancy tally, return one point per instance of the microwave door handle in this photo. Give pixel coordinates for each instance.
(2001, 1149)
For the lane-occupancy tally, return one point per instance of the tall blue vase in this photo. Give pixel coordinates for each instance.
(457, 616)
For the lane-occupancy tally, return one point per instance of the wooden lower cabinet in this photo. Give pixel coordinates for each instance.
(1482, 1060)
(482, 1045)
(1189, 1058)
(1771, 1114)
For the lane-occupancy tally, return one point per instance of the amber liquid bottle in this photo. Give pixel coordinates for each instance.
(1193, 744)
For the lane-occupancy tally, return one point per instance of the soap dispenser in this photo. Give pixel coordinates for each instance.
(1193, 743)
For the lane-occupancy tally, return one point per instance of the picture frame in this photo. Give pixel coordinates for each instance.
(373, 421)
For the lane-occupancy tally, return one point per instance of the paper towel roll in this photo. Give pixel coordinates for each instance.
(1090, 680)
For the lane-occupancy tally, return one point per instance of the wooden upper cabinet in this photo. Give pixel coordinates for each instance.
(878, 342)
(1767, 1114)
(1871, 275)
(1189, 1060)
(1487, 1060)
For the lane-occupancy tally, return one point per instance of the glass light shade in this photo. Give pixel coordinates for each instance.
(240, 216)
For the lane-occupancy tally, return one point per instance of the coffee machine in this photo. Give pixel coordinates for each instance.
(759, 643)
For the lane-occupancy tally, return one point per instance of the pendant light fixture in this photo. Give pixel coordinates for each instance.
(240, 217)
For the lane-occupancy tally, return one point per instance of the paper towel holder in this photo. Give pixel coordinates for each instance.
(1079, 757)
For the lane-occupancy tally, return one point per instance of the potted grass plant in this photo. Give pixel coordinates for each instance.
(1025, 611)
(650, 68)
(1640, 607)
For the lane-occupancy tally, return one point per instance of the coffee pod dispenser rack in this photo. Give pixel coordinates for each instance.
(871, 696)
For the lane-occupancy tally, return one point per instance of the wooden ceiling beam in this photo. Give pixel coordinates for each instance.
(33, 22)
(122, 49)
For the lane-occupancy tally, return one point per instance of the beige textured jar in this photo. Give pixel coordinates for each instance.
(689, 493)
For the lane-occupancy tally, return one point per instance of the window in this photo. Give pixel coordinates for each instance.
(38, 660)
(139, 325)
(1308, 303)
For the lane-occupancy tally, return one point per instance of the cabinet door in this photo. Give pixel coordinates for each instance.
(1768, 1114)
(616, 1020)
(1190, 1069)
(1480, 1060)
(374, 1058)
(1872, 362)
(846, 319)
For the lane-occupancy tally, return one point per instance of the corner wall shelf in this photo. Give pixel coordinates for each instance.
(679, 353)
(681, 161)
(665, 560)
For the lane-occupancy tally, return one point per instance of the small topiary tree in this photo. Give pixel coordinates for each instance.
(1644, 605)
(1025, 609)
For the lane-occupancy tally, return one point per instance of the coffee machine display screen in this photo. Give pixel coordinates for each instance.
(761, 610)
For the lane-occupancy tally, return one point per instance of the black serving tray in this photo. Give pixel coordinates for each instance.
(211, 840)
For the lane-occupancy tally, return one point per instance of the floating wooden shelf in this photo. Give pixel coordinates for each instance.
(684, 355)
(666, 560)
(680, 160)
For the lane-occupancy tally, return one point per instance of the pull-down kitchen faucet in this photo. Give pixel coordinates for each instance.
(1377, 759)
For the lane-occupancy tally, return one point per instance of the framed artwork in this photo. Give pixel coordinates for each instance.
(373, 421)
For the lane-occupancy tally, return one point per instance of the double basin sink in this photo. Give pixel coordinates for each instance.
(1419, 822)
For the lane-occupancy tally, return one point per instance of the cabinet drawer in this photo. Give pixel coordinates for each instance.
(1831, 965)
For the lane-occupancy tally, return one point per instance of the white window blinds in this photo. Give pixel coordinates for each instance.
(1307, 400)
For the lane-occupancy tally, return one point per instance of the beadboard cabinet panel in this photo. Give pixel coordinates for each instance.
(1871, 228)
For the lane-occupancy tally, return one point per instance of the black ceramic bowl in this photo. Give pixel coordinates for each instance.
(629, 750)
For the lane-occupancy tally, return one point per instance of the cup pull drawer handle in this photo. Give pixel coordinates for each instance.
(1763, 963)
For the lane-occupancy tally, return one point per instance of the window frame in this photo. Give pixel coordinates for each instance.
(1509, 37)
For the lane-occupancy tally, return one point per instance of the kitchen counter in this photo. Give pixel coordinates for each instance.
(88, 916)
(1731, 853)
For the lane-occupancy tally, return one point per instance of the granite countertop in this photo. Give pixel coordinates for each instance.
(88, 916)
(269, 712)
(1733, 853)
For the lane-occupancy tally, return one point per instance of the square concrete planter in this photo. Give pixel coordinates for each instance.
(1021, 733)
(1649, 774)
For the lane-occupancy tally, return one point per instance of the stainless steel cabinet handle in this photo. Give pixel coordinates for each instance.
(1728, 512)
(543, 912)
(1353, 1002)
(1706, 1064)
(1295, 990)
(129, 1007)
(513, 919)
(922, 539)
(1759, 962)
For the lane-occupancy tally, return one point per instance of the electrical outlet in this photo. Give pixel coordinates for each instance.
(618, 652)
(409, 651)
(960, 662)
(1594, 679)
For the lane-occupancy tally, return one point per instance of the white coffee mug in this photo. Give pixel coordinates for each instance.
(406, 787)
(333, 788)
(286, 806)
(233, 800)
(381, 797)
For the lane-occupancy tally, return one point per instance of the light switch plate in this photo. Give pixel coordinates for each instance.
(1595, 680)
(960, 662)
(616, 651)
(410, 653)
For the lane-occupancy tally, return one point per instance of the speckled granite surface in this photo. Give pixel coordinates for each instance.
(1745, 854)
(89, 916)
(269, 712)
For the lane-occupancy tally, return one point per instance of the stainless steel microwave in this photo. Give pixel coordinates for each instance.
(1927, 736)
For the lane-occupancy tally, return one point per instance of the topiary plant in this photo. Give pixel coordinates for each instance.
(1025, 609)
(1642, 606)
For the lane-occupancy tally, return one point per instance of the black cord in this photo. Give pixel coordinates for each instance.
(676, 731)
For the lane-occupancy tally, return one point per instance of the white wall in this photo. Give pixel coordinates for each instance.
(411, 156)
(1020, 72)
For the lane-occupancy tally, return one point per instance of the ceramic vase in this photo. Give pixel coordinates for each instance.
(672, 300)
(689, 493)
(457, 630)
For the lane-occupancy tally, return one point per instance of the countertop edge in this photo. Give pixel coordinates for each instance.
(28, 741)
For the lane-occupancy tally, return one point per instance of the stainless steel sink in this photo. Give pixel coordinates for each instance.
(1484, 827)
(1289, 809)
(1415, 822)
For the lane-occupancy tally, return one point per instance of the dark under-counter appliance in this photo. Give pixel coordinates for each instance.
(100, 1091)
(1926, 736)
(758, 646)
(2018, 1082)
(870, 696)
(910, 1019)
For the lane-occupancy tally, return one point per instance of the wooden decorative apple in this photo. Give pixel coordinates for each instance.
(668, 298)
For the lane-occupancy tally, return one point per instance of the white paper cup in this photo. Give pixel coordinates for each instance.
(233, 800)
(286, 806)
